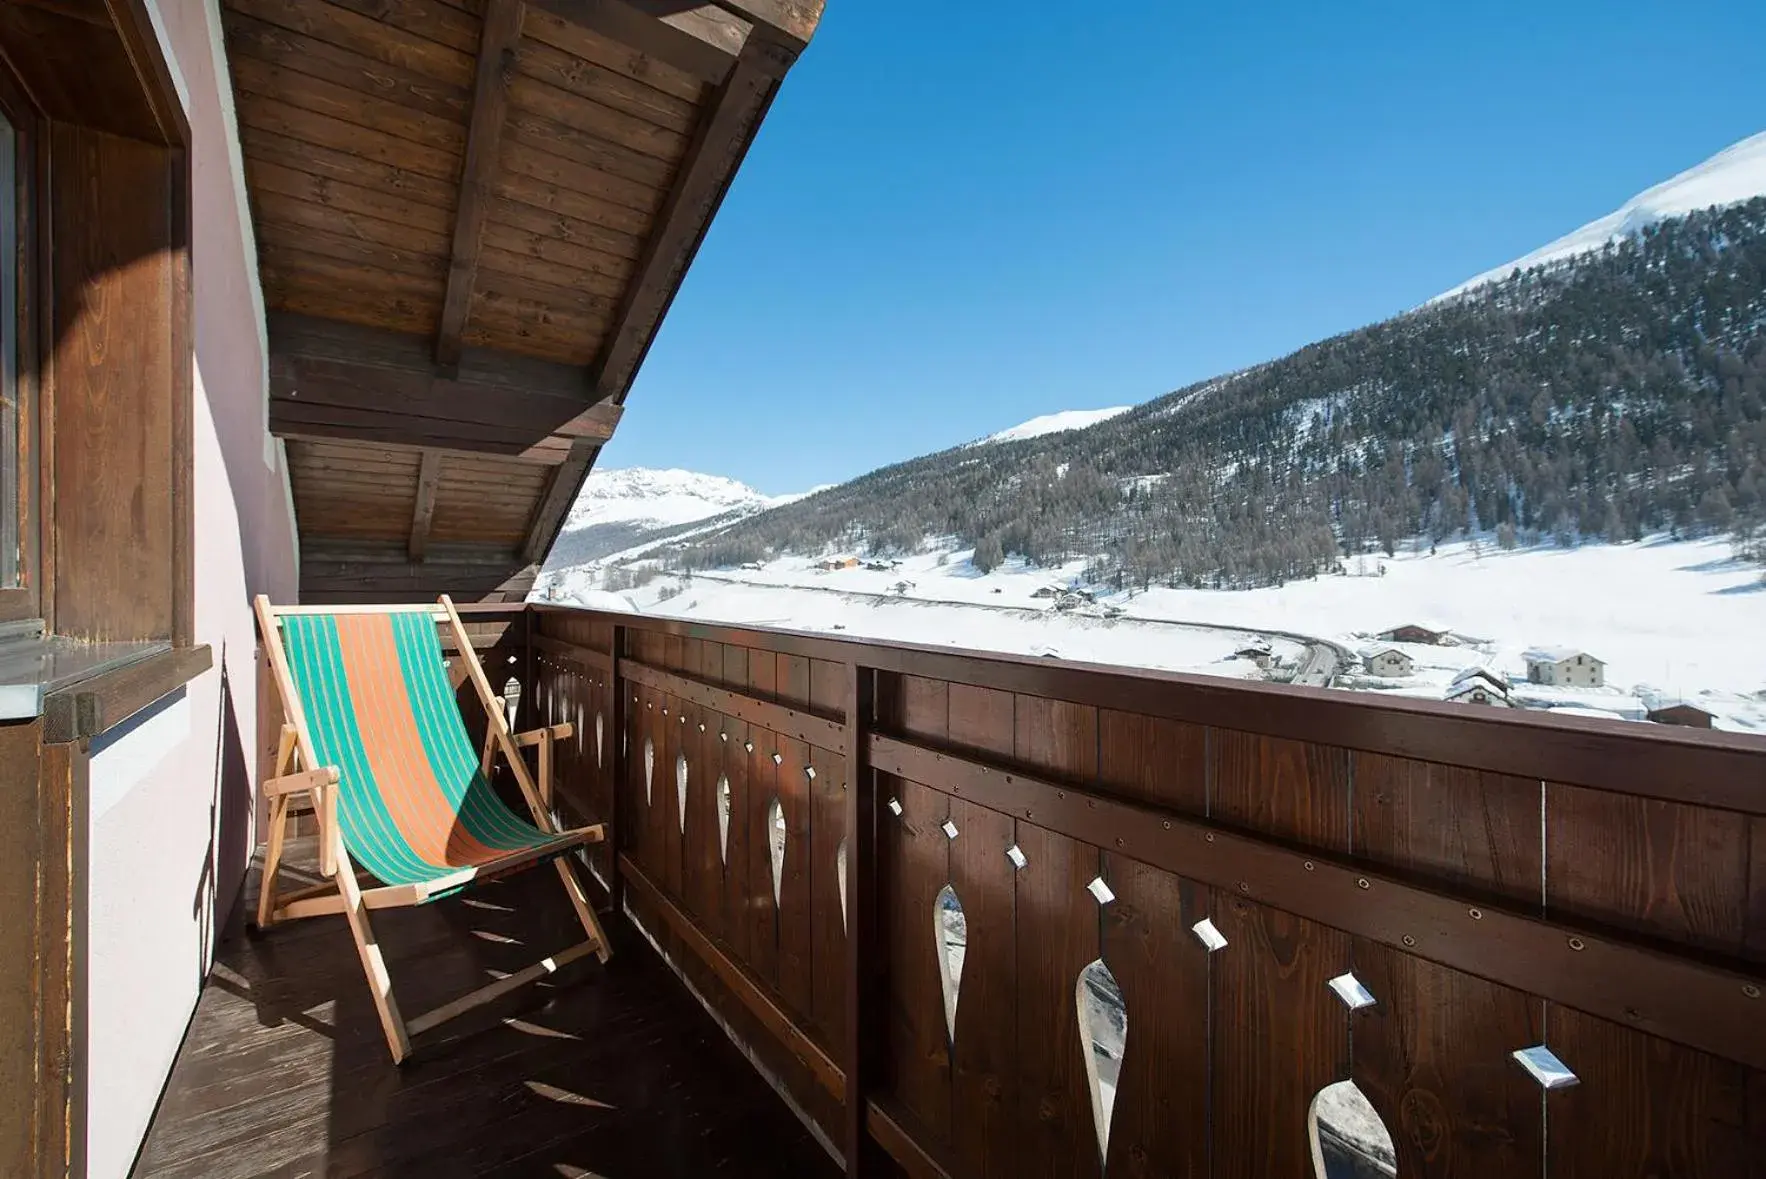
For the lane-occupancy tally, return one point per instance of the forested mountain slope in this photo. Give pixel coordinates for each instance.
(1618, 393)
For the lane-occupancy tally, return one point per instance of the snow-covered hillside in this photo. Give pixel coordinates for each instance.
(1054, 423)
(1735, 174)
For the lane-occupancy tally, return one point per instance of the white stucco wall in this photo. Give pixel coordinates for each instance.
(171, 789)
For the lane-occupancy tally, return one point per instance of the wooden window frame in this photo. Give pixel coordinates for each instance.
(23, 601)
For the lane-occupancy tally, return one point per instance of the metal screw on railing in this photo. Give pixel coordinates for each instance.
(1361, 882)
(1750, 990)
(1477, 914)
(1408, 940)
(1576, 943)
(1308, 865)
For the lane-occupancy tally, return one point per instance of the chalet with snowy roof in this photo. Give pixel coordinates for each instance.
(1690, 715)
(1479, 685)
(834, 563)
(1564, 667)
(1412, 633)
(1388, 661)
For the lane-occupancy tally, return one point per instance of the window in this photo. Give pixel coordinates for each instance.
(9, 407)
(20, 599)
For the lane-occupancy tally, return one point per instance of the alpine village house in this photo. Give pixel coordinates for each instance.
(335, 302)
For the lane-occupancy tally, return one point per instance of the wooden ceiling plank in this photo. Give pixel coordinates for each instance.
(346, 67)
(532, 152)
(549, 516)
(581, 43)
(632, 146)
(614, 90)
(270, 147)
(345, 248)
(490, 110)
(423, 18)
(376, 39)
(294, 122)
(716, 152)
(593, 221)
(423, 514)
(347, 198)
(283, 84)
(700, 43)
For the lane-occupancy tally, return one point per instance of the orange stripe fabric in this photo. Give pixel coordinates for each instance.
(394, 747)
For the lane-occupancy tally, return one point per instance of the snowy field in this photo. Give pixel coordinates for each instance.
(1671, 620)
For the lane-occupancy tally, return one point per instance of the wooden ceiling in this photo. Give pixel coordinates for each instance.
(471, 216)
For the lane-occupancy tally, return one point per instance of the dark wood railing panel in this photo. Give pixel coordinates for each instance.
(1161, 1122)
(828, 924)
(1647, 1107)
(1279, 1036)
(1665, 869)
(984, 1083)
(1432, 1058)
(1294, 790)
(1057, 937)
(1494, 882)
(1462, 827)
(914, 859)
(1153, 760)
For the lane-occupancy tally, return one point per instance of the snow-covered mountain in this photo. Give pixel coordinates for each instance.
(1055, 423)
(661, 498)
(1735, 174)
(621, 509)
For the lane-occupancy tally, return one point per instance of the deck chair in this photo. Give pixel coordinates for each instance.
(375, 738)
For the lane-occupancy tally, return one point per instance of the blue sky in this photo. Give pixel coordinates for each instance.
(959, 216)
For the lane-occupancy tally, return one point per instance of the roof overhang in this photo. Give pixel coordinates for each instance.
(471, 218)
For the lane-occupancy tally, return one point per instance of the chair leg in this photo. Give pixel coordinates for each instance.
(272, 860)
(585, 912)
(373, 962)
(278, 829)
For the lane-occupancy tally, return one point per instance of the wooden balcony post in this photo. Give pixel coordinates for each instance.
(860, 1052)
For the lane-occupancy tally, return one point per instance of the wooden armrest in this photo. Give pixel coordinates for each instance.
(534, 736)
(295, 783)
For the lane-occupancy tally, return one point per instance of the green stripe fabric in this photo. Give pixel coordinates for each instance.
(370, 832)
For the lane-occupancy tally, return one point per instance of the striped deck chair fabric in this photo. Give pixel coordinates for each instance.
(413, 805)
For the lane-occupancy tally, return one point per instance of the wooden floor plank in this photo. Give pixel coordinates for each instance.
(603, 1070)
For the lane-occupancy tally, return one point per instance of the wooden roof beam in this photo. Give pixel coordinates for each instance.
(549, 516)
(335, 380)
(792, 22)
(423, 514)
(490, 105)
(721, 140)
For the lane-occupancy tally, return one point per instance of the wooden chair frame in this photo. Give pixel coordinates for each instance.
(343, 891)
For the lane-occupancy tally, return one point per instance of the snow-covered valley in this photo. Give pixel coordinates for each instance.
(1672, 621)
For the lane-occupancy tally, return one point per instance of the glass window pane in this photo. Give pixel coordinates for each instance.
(9, 457)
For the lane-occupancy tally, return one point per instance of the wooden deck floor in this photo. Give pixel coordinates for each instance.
(602, 1071)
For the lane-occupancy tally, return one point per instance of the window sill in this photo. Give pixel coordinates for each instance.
(81, 689)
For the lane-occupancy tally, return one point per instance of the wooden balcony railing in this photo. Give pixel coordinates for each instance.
(789, 811)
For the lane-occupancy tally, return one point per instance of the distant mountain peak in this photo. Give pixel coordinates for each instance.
(660, 496)
(1055, 423)
(1735, 174)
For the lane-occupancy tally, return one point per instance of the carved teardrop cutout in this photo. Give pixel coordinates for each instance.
(951, 930)
(1103, 1030)
(681, 790)
(775, 825)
